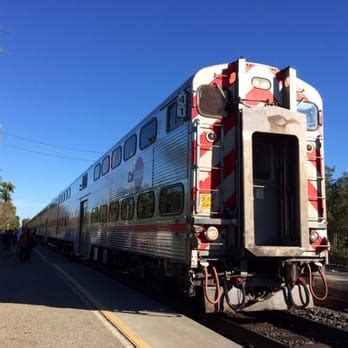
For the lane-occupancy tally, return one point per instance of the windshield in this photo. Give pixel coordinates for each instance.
(211, 101)
(311, 112)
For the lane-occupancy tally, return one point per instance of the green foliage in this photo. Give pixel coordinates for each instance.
(6, 188)
(336, 199)
(8, 218)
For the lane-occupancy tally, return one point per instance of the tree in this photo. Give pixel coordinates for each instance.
(336, 199)
(6, 188)
(8, 219)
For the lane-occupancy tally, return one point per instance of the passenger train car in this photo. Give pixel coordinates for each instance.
(220, 188)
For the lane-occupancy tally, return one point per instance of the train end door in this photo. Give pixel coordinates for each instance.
(274, 182)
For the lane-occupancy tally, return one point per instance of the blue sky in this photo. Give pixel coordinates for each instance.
(82, 73)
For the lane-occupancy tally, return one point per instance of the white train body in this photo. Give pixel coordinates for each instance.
(227, 174)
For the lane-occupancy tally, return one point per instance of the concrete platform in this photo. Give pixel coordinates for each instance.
(142, 321)
(155, 324)
(337, 283)
(338, 280)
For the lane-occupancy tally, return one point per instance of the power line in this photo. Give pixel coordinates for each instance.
(48, 154)
(48, 144)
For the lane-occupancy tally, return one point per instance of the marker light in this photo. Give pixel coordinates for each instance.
(211, 136)
(212, 233)
(313, 236)
(261, 83)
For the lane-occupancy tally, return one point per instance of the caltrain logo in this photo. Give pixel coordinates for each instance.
(138, 173)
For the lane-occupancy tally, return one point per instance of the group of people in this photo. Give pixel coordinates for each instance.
(8, 239)
(24, 239)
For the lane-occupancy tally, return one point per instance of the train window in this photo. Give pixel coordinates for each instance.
(130, 147)
(84, 182)
(116, 157)
(171, 201)
(114, 210)
(262, 159)
(173, 121)
(69, 192)
(97, 171)
(94, 215)
(127, 209)
(148, 134)
(106, 165)
(146, 205)
(311, 112)
(103, 213)
(211, 101)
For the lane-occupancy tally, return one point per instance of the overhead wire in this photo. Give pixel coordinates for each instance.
(47, 144)
(48, 154)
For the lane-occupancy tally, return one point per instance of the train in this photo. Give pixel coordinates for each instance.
(219, 189)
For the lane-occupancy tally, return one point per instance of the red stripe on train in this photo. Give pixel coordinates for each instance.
(313, 198)
(230, 163)
(212, 181)
(147, 228)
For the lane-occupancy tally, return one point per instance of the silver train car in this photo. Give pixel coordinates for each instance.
(220, 188)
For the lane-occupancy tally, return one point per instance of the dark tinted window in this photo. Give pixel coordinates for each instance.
(262, 161)
(173, 120)
(106, 165)
(94, 215)
(114, 211)
(116, 157)
(103, 213)
(171, 200)
(146, 205)
(148, 134)
(130, 147)
(84, 181)
(127, 209)
(211, 101)
(97, 171)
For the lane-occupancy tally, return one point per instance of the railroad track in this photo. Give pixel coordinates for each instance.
(283, 329)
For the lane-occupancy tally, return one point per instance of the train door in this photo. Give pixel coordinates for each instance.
(83, 242)
(275, 183)
(46, 231)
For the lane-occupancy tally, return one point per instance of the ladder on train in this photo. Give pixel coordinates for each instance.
(200, 169)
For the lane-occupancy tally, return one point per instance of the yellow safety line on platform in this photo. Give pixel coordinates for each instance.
(107, 314)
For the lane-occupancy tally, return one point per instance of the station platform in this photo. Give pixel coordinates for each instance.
(337, 283)
(52, 302)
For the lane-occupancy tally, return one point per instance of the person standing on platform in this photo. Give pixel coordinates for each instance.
(22, 243)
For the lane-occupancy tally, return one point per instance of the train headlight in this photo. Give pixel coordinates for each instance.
(211, 233)
(211, 136)
(313, 236)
